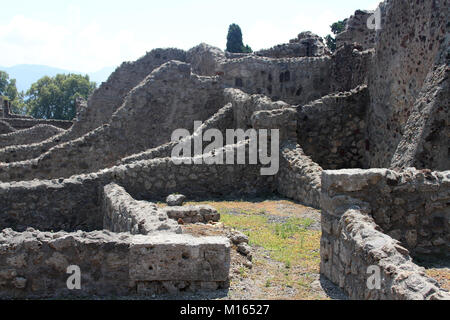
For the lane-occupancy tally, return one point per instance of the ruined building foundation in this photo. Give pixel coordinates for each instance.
(364, 137)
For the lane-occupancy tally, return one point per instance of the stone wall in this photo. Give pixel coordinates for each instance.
(112, 265)
(307, 44)
(157, 100)
(221, 120)
(32, 135)
(425, 142)
(411, 46)
(75, 203)
(101, 105)
(299, 177)
(111, 94)
(5, 127)
(121, 213)
(26, 123)
(351, 244)
(356, 30)
(411, 206)
(332, 130)
(296, 80)
(192, 214)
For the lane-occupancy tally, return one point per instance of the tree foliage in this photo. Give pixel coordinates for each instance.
(336, 28)
(54, 97)
(331, 43)
(235, 43)
(8, 90)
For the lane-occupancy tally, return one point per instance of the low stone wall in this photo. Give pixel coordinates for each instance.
(351, 246)
(25, 123)
(71, 204)
(74, 203)
(299, 177)
(6, 128)
(378, 218)
(121, 213)
(192, 214)
(34, 264)
(27, 136)
(411, 205)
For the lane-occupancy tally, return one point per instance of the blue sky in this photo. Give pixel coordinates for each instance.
(87, 35)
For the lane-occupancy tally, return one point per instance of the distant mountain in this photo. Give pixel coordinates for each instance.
(27, 74)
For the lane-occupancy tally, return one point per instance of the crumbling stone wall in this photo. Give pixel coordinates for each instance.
(221, 120)
(296, 80)
(363, 211)
(356, 30)
(299, 177)
(157, 100)
(332, 130)
(411, 206)
(351, 244)
(32, 135)
(101, 105)
(112, 264)
(6, 128)
(75, 203)
(307, 44)
(425, 142)
(410, 46)
(121, 213)
(26, 123)
(111, 94)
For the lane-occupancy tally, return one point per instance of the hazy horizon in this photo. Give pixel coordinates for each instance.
(87, 36)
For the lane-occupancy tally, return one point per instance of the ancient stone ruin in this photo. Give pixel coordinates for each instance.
(364, 136)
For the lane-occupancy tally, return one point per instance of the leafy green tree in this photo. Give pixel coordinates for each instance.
(8, 90)
(331, 43)
(4, 81)
(234, 40)
(336, 28)
(54, 97)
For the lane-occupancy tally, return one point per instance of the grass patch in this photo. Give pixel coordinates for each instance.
(290, 243)
(280, 227)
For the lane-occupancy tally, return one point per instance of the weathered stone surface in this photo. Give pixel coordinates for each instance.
(401, 203)
(407, 111)
(6, 128)
(356, 30)
(175, 200)
(111, 264)
(348, 260)
(193, 214)
(307, 44)
(34, 134)
(121, 213)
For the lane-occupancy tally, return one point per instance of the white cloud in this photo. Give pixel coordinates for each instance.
(266, 34)
(71, 46)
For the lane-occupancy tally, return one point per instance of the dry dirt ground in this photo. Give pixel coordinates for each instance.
(285, 240)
